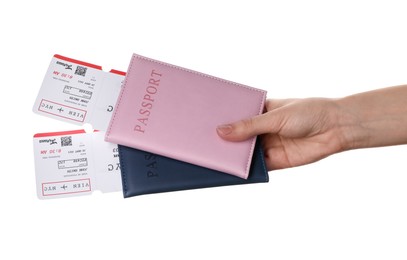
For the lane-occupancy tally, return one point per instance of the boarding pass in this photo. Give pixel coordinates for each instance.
(78, 92)
(75, 163)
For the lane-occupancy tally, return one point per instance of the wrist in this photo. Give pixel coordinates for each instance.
(353, 132)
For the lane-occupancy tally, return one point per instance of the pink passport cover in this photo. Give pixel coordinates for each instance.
(174, 112)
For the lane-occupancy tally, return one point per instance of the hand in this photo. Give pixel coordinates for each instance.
(301, 131)
(294, 131)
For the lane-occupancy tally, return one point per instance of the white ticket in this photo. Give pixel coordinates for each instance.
(75, 163)
(78, 92)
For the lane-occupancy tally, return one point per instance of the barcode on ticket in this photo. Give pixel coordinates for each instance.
(66, 141)
(81, 71)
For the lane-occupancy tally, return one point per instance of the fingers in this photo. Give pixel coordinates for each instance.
(270, 122)
(245, 129)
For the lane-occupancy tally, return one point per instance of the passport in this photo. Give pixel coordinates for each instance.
(173, 112)
(145, 173)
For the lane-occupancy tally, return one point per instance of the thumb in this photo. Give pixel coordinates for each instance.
(247, 128)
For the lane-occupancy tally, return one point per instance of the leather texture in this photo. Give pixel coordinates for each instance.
(146, 173)
(174, 112)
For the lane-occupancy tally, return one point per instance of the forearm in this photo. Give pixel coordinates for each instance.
(374, 118)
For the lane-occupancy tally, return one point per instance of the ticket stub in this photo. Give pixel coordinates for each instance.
(78, 92)
(75, 163)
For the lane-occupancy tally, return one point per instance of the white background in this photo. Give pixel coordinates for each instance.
(348, 206)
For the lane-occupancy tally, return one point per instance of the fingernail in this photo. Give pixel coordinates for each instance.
(224, 129)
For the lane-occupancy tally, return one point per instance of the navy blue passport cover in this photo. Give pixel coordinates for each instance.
(146, 173)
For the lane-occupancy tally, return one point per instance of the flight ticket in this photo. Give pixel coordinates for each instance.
(73, 163)
(78, 92)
